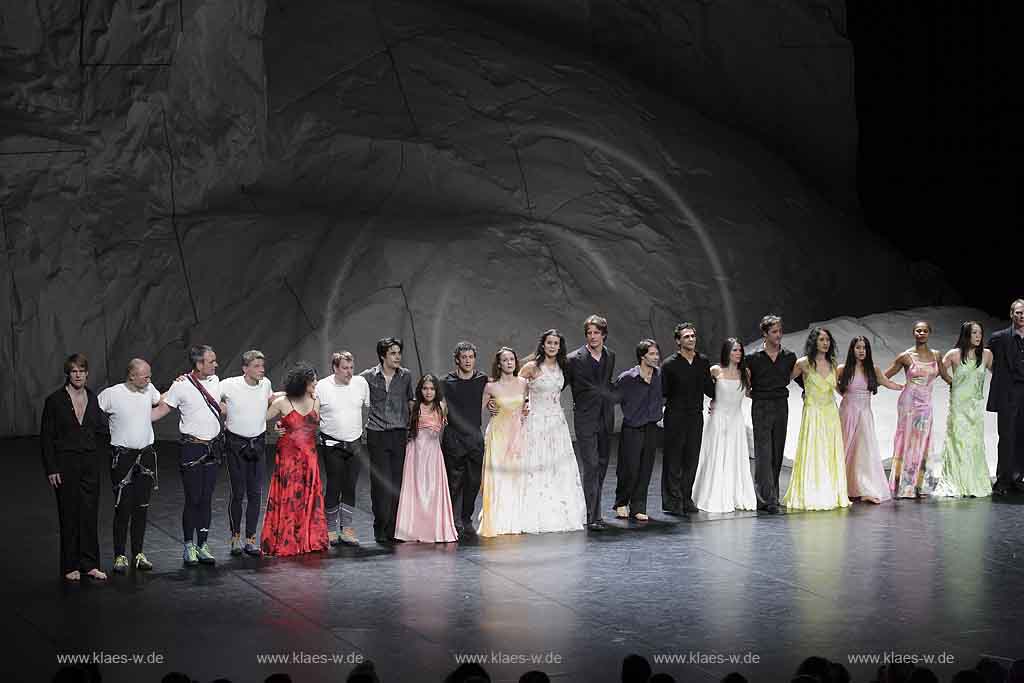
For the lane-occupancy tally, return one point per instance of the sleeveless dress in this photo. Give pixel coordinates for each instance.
(425, 505)
(503, 470)
(818, 481)
(913, 430)
(964, 468)
(553, 496)
(865, 476)
(723, 482)
(294, 522)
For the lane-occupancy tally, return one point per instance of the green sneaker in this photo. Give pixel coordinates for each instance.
(204, 555)
(142, 564)
(190, 558)
(236, 545)
(120, 564)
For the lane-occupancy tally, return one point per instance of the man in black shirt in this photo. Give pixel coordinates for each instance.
(685, 381)
(770, 371)
(70, 437)
(462, 443)
(1006, 399)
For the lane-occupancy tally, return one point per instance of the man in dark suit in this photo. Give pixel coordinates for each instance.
(1006, 399)
(590, 378)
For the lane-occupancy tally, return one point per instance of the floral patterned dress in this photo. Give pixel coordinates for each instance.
(913, 430)
(295, 521)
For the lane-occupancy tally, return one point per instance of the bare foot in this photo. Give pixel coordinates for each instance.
(641, 517)
(97, 574)
(871, 499)
(73, 576)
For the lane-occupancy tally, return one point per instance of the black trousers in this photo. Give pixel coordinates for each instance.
(133, 474)
(1010, 465)
(245, 474)
(463, 461)
(769, 417)
(199, 463)
(342, 464)
(387, 461)
(78, 499)
(635, 464)
(592, 458)
(679, 457)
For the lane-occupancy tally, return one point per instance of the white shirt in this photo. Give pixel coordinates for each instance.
(246, 404)
(129, 411)
(341, 407)
(196, 417)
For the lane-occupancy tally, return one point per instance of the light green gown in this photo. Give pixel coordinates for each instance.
(818, 481)
(964, 468)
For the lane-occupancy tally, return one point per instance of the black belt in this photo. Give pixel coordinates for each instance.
(251, 446)
(118, 452)
(214, 447)
(341, 443)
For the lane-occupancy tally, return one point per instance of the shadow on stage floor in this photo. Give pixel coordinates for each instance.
(699, 597)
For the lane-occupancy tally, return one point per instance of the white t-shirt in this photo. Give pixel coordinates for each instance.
(341, 407)
(247, 405)
(129, 411)
(196, 418)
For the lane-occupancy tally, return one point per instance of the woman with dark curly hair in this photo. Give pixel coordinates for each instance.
(295, 522)
(425, 504)
(818, 481)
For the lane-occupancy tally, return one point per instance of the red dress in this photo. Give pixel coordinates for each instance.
(295, 521)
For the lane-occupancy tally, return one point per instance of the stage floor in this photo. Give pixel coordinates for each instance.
(935, 578)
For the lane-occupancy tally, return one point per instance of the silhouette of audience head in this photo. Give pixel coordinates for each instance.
(734, 677)
(661, 678)
(175, 677)
(1016, 674)
(364, 672)
(991, 670)
(534, 677)
(468, 673)
(635, 669)
(923, 675)
(278, 678)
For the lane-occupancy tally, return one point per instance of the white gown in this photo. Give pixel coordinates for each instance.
(723, 482)
(553, 495)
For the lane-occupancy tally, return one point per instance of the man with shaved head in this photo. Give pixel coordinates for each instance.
(129, 407)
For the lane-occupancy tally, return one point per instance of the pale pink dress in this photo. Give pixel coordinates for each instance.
(865, 476)
(424, 505)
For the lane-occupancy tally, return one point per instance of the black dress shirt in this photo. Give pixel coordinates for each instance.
(464, 398)
(770, 379)
(685, 383)
(641, 401)
(389, 403)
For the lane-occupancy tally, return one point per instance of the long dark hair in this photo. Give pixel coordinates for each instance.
(496, 366)
(963, 342)
(851, 367)
(811, 347)
(539, 356)
(298, 379)
(725, 359)
(418, 400)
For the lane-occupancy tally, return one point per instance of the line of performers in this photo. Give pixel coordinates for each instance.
(429, 459)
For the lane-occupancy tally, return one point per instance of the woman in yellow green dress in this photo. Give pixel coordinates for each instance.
(818, 481)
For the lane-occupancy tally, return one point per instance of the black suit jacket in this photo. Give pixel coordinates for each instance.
(1003, 348)
(593, 403)
(60, 432)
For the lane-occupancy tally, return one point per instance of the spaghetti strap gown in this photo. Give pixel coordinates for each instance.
(865, 476)
(818, 481)
(723, 482)
(294, 522)
(424, 505)
(913, 430)
(502, 511)
(964, 467)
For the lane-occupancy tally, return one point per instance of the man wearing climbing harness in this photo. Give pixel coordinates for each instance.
(246, 399)
(130, 409)
(202, 436)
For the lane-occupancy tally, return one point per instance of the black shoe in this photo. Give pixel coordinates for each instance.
(467, 530)
(1018, 486)
(689, 508)
(382, 539)
(673, 512)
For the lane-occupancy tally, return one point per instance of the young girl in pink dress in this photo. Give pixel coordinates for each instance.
(424, 505)
(859, 379)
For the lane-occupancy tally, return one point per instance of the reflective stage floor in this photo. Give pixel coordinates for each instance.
(699, 597)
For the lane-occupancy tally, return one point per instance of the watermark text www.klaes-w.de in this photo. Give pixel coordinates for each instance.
(303, 657)
(893, 657)
(705, 657)
(104, 657)
(503, 657)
